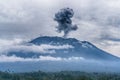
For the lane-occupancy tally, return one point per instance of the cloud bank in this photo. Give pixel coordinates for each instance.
(98, 21)
(19, 45)
(41, 58)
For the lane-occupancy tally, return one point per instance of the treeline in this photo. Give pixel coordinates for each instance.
(63, 75)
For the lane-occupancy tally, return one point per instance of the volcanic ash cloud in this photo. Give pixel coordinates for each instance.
(63, 17)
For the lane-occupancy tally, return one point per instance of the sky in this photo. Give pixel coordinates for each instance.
(98, 21)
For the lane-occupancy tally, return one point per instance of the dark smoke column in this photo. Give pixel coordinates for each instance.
(63, 17)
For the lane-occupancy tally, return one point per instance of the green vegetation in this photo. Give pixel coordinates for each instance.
(63, 75)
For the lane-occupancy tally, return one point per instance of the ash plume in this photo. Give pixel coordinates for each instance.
(63, 18)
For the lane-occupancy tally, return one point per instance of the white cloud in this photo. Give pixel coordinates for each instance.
(16, 45)
(41, 58)
(56, 47)
(4, 42)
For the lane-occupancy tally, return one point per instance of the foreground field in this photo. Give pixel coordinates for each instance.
(63, 75)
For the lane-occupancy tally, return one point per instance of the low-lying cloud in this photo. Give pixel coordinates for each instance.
(17, 45)
(13, 58)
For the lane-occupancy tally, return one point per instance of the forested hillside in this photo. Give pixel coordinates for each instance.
(64, 75)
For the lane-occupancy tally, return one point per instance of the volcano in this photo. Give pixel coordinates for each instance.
(58, 54)
(64, 48)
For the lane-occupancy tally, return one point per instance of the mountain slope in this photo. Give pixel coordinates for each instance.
(81, 48)
(65, 48)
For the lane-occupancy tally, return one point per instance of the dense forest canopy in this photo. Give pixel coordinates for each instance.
(63, 75)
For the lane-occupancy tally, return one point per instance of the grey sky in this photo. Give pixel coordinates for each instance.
(98, 20)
